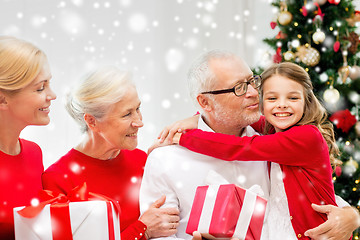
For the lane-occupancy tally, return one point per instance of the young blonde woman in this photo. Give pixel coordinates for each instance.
(25, 98)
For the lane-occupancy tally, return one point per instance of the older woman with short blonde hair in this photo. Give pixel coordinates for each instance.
(107, 107)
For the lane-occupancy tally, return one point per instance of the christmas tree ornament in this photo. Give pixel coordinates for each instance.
(323, 77)
(357, 128)
(273, 24)
(309, 55)
(336, 46)
(354, 97)
(354, 73)
(353, 38)
(319, 15)
(343, 120)
(304, 10)
(289, 55)
(281, 35)
(344, 72)
(295, 43)
(284, 17)
(350, 166)
(336, 2)
(277, 58)
(338, 171)
(353, 19)
(331, 95)
(320, 2)
(318, 36)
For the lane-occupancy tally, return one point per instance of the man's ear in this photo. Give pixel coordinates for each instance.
(91, 121)
(204, 102)
(3, 102)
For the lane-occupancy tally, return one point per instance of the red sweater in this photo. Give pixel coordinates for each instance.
(20, 181)
(302, 154)
(118, 178)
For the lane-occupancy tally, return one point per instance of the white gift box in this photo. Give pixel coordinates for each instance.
(90, 220)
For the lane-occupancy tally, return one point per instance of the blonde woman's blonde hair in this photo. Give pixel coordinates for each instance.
(314, 113)
(97, 92)
(20, 63)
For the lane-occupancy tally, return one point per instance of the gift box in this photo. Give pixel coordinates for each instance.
(65, 220)
(226, 211)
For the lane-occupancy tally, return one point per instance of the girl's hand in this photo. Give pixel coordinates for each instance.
(160, 222)
(157, 143)
(167, 134)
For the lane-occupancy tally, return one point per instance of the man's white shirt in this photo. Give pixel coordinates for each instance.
(176, 172)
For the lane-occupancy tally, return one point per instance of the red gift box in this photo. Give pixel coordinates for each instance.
(226, 211)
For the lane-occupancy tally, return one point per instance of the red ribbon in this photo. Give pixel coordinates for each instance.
(319, 12)
(59, 209)
(304, 11)
(60, 221)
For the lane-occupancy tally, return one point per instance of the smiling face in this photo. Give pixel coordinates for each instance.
(232, 113)
(30, 105)
(119, 127)
(283, 102)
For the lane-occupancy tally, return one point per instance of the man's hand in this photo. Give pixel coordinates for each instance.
(196, 236)
(160, 222)
(340, 224)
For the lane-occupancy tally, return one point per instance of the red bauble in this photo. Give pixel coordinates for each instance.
(336, 2)
(338, 171)
(336, 46)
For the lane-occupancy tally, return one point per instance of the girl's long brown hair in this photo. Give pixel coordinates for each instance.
(314, 113)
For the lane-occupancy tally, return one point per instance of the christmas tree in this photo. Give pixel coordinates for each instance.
(320, 36)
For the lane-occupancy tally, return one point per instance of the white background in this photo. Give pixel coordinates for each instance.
(156, 39)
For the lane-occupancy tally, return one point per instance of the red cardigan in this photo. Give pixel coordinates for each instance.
(118, 178)
(20, 182)
(303, 156)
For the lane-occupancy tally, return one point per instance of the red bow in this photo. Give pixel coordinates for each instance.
(77, 194)
(319, 12)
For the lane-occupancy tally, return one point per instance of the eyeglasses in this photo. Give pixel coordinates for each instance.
(240, 88)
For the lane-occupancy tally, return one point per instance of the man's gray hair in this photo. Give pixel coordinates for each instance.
(201, 78)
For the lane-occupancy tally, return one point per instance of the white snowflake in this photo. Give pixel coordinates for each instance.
(174, 59)
(166, 103)
(71, 22)
(137, 22)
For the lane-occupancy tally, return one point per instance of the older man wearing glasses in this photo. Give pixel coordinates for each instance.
(225, 90)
